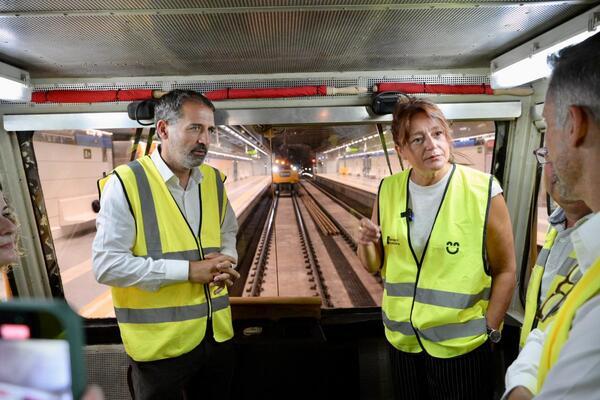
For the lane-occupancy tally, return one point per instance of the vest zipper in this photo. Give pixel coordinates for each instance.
(199, 242)
(200, 249)
(420, 262)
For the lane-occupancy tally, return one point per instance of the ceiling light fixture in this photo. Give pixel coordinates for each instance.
(529, 62)
(14, 83)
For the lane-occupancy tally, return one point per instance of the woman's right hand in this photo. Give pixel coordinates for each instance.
(368, 232)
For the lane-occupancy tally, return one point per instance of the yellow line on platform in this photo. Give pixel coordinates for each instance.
(100, 307)
(76, 271)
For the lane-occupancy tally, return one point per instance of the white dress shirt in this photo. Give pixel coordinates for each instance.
(576, 374)
(113, 262)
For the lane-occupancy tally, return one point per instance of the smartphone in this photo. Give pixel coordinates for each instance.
(41, 344)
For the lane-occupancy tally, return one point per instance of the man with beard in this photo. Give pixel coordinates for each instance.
(165, 243)
(569, 353)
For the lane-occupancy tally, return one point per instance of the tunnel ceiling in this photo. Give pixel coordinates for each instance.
(316, 138)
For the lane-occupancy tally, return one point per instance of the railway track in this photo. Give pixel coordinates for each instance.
(306, 248)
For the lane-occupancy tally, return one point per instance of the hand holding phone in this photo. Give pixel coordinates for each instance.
(40, 347)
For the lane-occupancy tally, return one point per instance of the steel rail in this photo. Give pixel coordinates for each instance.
(264, 251)
(310, 256)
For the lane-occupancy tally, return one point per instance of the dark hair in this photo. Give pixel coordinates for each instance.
(169, 106)
(406, 108)
(575, 79)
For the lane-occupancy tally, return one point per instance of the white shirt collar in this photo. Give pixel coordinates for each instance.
(586, 242)
(166, 172)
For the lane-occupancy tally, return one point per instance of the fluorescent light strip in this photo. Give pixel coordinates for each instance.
(216, 153)
(14, 91)
(243, 139)
(534, 67)
(374, 152)
(350, 144)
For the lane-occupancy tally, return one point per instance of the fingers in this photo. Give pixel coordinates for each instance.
(226, 278)
(219, 257)
(228, 269)
(368, 232)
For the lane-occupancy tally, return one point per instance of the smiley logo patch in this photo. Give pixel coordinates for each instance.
(452, 247)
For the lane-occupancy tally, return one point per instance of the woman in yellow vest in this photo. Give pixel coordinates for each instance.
(441, 235)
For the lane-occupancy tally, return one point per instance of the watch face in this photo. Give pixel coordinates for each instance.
(495, 336)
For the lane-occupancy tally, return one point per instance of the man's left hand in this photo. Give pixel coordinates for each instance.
(227, 275)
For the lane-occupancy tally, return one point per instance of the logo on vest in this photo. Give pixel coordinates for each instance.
(452, 247)
(392, 241)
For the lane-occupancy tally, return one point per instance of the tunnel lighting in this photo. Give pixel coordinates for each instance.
(528, 62)
(216, 153)
(364, 139)
(14, 83)
(367, 153)
(233, 133)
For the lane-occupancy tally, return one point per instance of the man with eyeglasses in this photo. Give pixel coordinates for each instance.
(568, 353)
(555, 271)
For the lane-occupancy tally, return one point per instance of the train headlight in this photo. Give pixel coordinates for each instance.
(275, 168)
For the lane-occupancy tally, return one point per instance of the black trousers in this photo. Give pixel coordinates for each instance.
(420, 376)
(206, 372)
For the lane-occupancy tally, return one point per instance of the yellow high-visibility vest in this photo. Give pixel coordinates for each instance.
(532, 299)
(436, 303)
(587, 287)
(171, 321)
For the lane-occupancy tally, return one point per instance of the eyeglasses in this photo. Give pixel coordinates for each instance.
(553, 302)
(540, 155)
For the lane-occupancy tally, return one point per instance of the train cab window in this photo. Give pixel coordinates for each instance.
(309, 247)
(298, 194)
(69, 164)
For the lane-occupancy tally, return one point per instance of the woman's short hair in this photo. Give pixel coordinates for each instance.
(409, 106)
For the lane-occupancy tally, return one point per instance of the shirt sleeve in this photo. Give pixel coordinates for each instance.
(576, 374)
(229, 232)
(112, 259)
(496, 188)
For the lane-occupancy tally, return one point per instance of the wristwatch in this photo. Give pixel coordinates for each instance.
(494, 335)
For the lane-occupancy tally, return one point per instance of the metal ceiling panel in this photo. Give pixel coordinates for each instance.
(91, 5)
(213, 37)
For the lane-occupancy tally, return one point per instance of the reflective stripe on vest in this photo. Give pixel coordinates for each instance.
(149, 321)
(436, 297)
(587, 288)
(169, 314)
(533, 299)
(443, 297)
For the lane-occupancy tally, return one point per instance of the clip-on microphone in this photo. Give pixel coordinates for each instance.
(408, 214)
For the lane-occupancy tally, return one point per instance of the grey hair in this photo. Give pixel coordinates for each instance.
(575, 79)
(169, 106)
